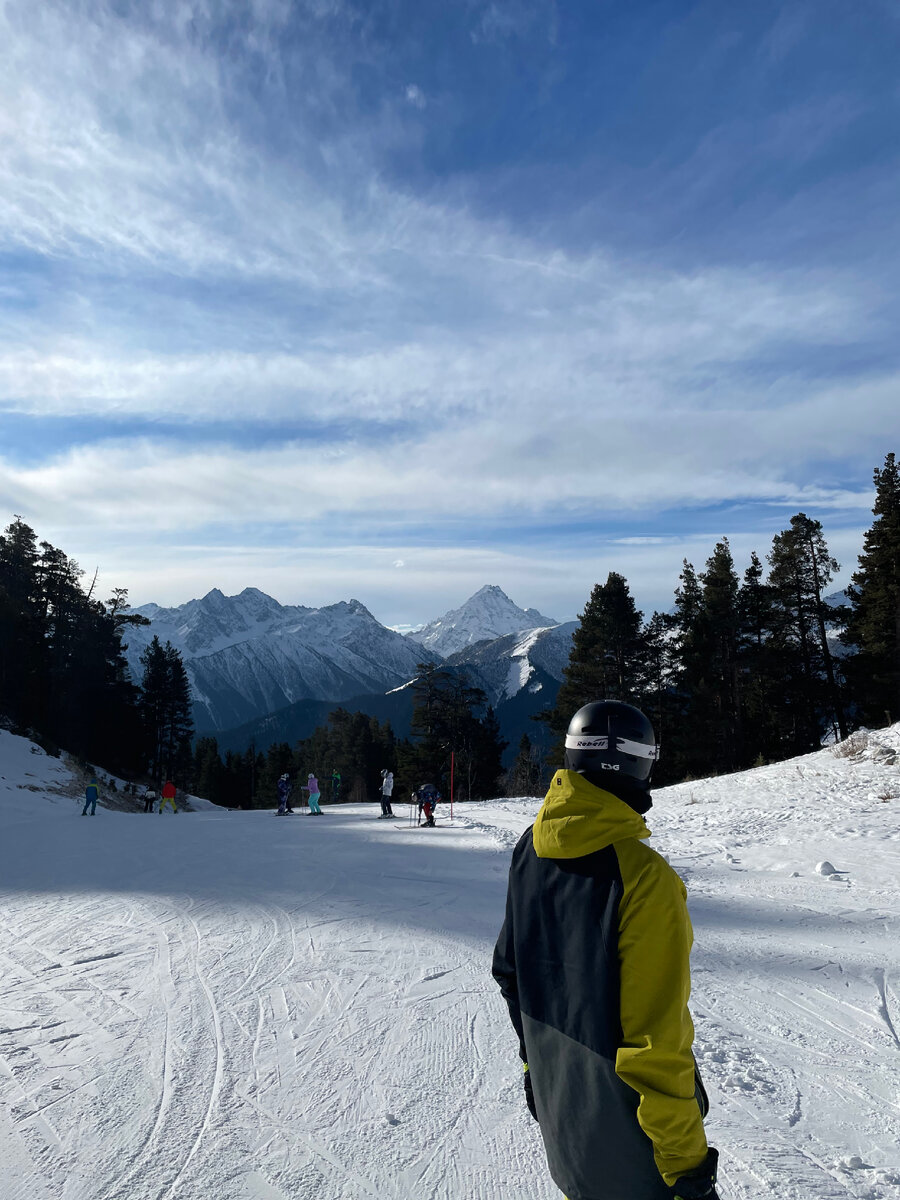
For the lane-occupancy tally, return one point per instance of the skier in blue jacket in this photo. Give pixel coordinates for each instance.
(284, 792)
(91, 796)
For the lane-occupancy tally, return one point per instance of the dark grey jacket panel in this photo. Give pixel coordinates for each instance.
(609, 1158)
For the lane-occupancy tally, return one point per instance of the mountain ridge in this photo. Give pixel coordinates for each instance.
(248, 658)
(247, 655)
(486, 615)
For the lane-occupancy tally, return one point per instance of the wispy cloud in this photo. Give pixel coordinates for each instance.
(254, 222)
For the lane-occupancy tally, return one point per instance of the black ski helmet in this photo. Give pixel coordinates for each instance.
(613, 741)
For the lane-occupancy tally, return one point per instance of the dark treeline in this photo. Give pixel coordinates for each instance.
(348, 754)
(751, 669)
(63, 676)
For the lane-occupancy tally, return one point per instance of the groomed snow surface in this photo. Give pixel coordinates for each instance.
(234, 1006)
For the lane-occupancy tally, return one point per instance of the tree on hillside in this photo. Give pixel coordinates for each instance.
(208, 775)
(761, 693)
(62, 668)
(800, 570)
(525, 776)
(708, 676)
(279, 759)
(874, 622)
(451, 717)
(607, 659)
(356, 745)
(22, 649)
(166, 711)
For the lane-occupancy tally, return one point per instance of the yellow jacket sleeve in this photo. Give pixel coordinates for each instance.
(655, 1057)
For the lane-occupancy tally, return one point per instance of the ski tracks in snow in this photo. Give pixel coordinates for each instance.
(283, 1011)
(317, 1025)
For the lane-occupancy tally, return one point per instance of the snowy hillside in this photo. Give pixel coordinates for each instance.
(248, 655)
(506, 665)
(237, 1006)
(487, 615)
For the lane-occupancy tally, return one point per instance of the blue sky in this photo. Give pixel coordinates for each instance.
(393, 300)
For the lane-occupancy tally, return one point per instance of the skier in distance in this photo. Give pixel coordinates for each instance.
(284, 794)
(387, 787)
(169, 793)
(312, 785)
(91, 796)
(427, 797)
(593, 961)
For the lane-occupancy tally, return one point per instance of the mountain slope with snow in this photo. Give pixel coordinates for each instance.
(232, 1005)
(506, 665)
(247, 655)
(487, 615)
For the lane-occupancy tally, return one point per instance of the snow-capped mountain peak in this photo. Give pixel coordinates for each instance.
(487, 615)
(248, 655)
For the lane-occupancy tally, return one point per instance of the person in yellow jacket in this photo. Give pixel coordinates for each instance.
(593, 961)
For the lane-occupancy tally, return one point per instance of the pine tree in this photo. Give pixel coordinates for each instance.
(62, 669)
(166, 711)
(607, 659)
(209, 771)
(23, 686)
(358, 746)
(874, 623)
(452, 721)
(760, 667)
(800, 570)
(717, 640)
(525, 775)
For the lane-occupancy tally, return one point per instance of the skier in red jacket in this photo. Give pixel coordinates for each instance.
(168, 796)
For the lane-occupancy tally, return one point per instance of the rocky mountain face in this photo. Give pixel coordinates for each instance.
(262, 671)
(487, 615)
(247, 655)
(505, 666)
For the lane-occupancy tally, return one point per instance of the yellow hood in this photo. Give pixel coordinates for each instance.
(577, 818)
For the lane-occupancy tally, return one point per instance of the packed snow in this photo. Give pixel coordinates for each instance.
(236, 1006)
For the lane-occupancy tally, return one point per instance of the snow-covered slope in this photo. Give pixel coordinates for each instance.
(487, 615)
(248, 655)
(236, 1006)
(506, 665)
(26, 770)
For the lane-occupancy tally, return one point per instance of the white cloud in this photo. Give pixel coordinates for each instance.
(473, 471)
(526, 382)
(557, 579)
